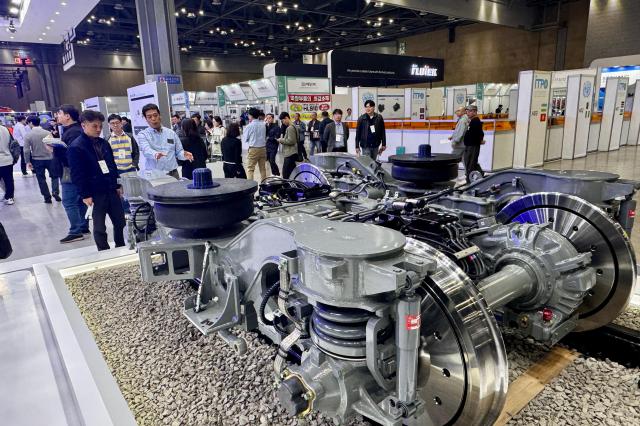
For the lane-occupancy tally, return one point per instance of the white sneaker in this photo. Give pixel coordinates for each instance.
(9, 202)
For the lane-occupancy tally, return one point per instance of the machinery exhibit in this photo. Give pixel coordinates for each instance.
(386, 291)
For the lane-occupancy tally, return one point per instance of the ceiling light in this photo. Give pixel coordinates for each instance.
(301, 28)
(201, 41)
(270, 37)
(14, 10)
(295, 5)
(279, 3)
(177, 14)
(138, 36)
(269, 8)
(379, 18)
(93, 17)
(216, 2)
(269, 52)
(288, 26)
(317, 48)
(308, 38)
(201, 12)
(16, 2)
(191, 15)
(189, 46)
(235, 44)
(337, 43)
(231, 30)
(184, 49)
(223, 32)
(309, 25)
(108, 22)
(251, 22)
(11, 37)
(210, 31)
(391, 21)
(343, 33)
(253, 43)
(368, 22)
(47, 27)
(119, 6)
(113, 19)
(89, 20)
(369, 36)
(57, 13)
(377, 24)
(403, 29)
(253, 53)
(332, 18)
(378, 4)
(379, 33)
(44, 34)
(300, 40)
(63, 3)
(52, 20)
(39, 38)
(183, 10)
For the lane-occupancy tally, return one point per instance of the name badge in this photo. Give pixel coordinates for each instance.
(122, 154)
(338, 138)
(103, 167)
(316, 134)
(372, 129)
(170, 141)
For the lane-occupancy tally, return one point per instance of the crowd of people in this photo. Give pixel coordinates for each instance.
(84, 169)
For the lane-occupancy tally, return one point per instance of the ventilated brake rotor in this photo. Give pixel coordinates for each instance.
(590, 230)
(463, 373)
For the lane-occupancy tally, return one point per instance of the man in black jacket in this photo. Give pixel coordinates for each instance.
(94, 172)
(371, 139)
(473, 138)
(323, 124)
(313, 127)
(273, 134)
(67, 115)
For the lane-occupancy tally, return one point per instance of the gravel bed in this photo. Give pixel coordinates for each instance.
(172, 375)
(169, 373)
(629, 318)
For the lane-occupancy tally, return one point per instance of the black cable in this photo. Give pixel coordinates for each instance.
(271, 291)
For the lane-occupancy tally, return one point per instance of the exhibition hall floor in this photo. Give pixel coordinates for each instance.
(35, 228)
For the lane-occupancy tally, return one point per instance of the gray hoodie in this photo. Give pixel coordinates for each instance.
(6, 159)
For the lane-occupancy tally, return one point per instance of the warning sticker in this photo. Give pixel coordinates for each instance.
(412, 322)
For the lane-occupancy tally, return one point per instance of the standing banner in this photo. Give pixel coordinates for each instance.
(307, 95)
(149, 93)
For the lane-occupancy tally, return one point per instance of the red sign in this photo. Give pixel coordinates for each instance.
(543, 117)
(412, 322)
(18, 60)
(309, 98)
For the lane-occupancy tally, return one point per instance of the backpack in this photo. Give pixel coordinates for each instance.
(14, 148)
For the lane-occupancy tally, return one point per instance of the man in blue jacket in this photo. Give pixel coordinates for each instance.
(94, 172)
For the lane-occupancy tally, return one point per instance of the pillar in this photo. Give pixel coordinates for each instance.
(159, 42)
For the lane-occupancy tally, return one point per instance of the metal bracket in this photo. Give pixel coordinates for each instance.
(216, 314)
(374, 326)
(367, 407)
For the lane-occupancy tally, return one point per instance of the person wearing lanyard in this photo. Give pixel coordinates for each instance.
(370, 133)
(336, 133)
(231, 147)
(161, 147)
(94, 172)
(254, 134)
(314, 133)
(273, 133)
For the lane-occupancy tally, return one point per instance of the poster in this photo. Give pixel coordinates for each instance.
(307, 85)
(263, 88)
(234, 92)
(138, 97)
(206, 98)
(306, 104)
(391, 103)
(419, 104)
(367, 94)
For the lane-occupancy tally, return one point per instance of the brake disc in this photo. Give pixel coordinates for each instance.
(463, 375)
(590, 230)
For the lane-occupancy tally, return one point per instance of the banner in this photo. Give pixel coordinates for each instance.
(306, 104)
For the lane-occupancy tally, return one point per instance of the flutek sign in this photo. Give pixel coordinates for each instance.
(424, 71)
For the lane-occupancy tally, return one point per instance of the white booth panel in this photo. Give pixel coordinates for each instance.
(594, 136)
(502, 150)
(577, 116)
(634, 124)
(624, 135)
(554, 143)
(612, 114)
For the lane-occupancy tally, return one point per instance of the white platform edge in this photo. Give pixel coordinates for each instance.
(99, 398)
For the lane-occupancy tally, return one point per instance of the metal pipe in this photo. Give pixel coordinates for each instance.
(506, 285)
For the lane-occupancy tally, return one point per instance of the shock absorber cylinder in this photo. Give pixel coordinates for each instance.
(407, 344)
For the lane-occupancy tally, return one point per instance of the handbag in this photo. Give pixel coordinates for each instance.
(5, 244)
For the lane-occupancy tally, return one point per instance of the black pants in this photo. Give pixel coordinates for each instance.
(470, 159)
(272, 152)
(40, 167)
(302, 150)
(234, 171)
(23, 164)
(325, 145)
(6, 175)
(103, 205)
(289, 165)
(341, 149)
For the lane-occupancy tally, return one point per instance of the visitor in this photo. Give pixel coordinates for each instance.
(323, 124)
(6, 165)
(457, 138)
(125, 149)
(302, 130)
(193, 143)
(254, 134)
(336, 133)
(39, 159)
(67, 116)
(232, 153)
(273, 133)
(94, 172)
(160, 146)
(473, 139)
(20, 130)
(314, 133)
(371, 139)
(289, 144)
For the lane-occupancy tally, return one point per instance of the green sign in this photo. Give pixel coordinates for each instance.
(282, 88)
(480, 91)
(220, 97)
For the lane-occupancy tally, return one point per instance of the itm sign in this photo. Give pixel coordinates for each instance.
(541, 83)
